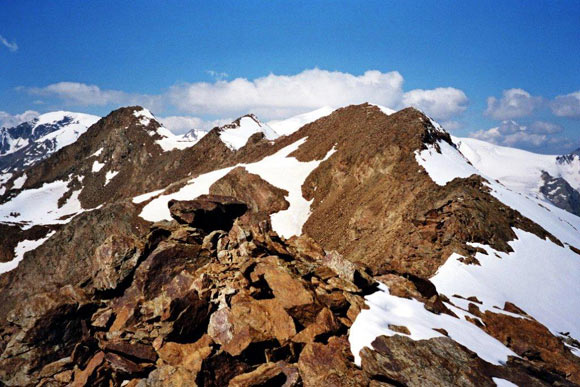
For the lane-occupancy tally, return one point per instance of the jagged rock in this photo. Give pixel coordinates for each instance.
(208, 212)
(256, 321)
(440, 361)
(533, 341)
(288, 291)
(329, 365)
(560, 193)
(261, 197)
(268, 374)
(82, 377)
(114, 260)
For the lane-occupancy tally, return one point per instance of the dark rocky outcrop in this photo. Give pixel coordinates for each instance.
(558, 191)
(208, 212)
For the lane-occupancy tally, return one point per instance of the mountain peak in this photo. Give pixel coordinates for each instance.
(236, 134)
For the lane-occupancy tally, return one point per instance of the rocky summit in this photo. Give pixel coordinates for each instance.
(365, 247)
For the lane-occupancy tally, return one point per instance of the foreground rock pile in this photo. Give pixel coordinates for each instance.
(198, 306)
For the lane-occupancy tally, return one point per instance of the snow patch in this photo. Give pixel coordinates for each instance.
(157, 209)
(236, 136)
(170, 141)
(517, 169)
(503, 383)
(147, 196)
(289, 174)
(45, 209)
(19, 182)
(144, 116)
(445, 165)
(288, 126)
(385, 309)
(110, 175)
(384, 109)
(97, 153)
(278, 169)
(546, 287)
(97, 166)
(19, 251)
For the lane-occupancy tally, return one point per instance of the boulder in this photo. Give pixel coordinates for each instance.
(208, 212)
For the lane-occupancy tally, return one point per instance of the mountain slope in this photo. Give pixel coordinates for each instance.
(523, 171)
(31, 142)
(359, 206)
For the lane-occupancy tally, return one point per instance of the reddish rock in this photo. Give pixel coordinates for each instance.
(329, 365)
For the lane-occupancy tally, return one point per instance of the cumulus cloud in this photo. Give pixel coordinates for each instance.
(277, 96)
(545, 127)
(183, 124)
(566, 105)
(511, 133)
(81, 94)
(441, 103)
(9, 120)
(450, 125)
(272, 96)
(513, 103)
(11, 46)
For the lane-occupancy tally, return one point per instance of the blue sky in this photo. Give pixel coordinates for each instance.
(183, 60)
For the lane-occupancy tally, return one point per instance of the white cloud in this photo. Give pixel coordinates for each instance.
(513, 103)
(450, 125)
(272, 96)
(11, 46)
(511, 133)
(441, 103)
(183, 124)
(9, 120)
(81, 94)
(567, 105)
(277, 96)
(545, 127)
(218, 75)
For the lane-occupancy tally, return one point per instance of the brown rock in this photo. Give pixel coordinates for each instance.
(253, 321)
(81, 378)
(186, 356)
(208, 212)
(138, 351)
(261, 197)
(114, 260)
(325, 324)
(286, 289)
(329, 365)
(436, 362)
(400, 329)
(268, 374)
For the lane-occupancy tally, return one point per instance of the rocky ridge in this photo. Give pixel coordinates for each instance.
(216, 296)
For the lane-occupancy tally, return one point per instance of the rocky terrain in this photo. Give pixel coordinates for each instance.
(359, 249)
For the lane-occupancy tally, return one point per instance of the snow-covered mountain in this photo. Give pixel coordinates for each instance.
(358, 246)
(30, 142)
(551, 177)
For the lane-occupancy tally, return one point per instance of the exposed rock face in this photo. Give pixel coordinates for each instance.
(560, 193)
(208, 212)
(375, 205)
(262, 197)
